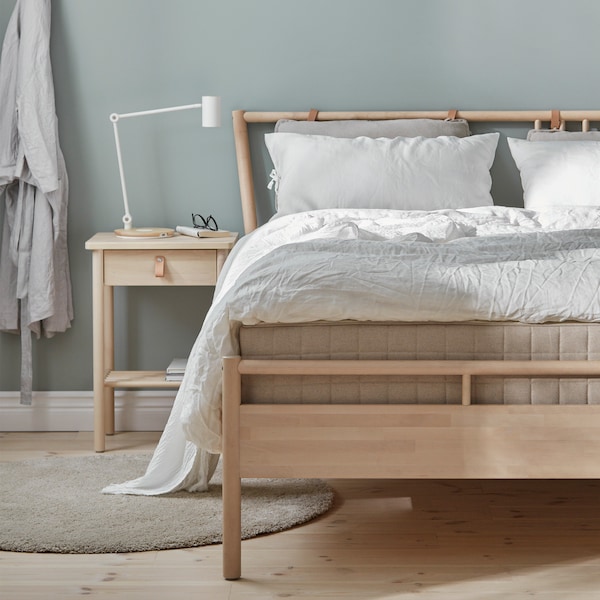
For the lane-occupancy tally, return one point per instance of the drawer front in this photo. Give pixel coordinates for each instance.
(144, 267)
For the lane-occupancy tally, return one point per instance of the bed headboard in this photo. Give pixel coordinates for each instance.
(241, 119)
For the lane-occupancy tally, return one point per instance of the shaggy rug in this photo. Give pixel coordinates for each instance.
(55, 505)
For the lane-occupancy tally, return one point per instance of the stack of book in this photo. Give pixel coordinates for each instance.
(176, 369)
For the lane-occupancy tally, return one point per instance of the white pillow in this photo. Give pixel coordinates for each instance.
(558, 173)
(314, 171)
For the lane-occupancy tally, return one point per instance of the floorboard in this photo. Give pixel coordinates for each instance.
(383, 540)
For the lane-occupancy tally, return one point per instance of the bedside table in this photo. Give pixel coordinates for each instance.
(178, 260)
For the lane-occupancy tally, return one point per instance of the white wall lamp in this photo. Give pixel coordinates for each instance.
(211, 117)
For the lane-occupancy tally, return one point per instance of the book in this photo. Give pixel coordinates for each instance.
(176, 369)
(201, 233)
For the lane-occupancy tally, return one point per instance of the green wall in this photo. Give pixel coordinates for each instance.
(127, 55)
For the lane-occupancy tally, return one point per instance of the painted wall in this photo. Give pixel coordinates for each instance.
(126, 55)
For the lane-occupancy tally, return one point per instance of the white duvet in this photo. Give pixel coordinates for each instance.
(489, 263)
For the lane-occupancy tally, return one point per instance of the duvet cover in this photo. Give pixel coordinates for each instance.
(489, 263)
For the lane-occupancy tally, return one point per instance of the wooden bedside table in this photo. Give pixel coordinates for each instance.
(177, 260)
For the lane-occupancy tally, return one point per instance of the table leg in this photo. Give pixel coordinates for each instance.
(98, 299)
(221, 258)
(109, 358)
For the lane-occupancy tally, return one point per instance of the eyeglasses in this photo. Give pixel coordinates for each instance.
(201, 223)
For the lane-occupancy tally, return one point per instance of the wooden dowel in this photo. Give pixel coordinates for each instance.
(466, 389)
(492, 116)
(244, 165)
(556, 368)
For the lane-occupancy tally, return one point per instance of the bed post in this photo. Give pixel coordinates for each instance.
(232, 501)
(244, 164)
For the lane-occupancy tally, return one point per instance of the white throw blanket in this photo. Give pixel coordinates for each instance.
(489, 263)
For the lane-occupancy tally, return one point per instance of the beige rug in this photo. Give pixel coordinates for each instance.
(54, 505)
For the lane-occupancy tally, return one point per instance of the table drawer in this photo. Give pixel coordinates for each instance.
(143, 267)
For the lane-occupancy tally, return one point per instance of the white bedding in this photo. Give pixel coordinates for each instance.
(488, 263)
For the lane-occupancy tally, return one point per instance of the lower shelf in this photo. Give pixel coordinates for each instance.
(139, 379)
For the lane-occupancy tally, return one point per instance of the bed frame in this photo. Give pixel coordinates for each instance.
(398, 441)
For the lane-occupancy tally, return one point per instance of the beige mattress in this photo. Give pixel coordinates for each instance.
(412, 341)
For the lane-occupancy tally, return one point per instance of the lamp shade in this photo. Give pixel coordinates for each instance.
(211, 111)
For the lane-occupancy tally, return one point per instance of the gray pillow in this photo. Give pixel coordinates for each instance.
(552, 135)
(377, 129)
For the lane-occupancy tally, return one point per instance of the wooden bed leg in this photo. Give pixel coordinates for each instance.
(232, 499)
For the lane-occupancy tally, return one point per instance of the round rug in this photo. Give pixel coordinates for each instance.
(55, 504)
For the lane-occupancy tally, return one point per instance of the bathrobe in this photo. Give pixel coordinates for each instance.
(35, 284)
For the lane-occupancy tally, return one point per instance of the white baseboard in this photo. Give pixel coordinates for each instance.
(74, 411)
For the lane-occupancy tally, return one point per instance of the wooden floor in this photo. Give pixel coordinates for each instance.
(427, 540)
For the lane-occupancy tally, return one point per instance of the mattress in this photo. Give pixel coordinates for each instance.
(425, 341)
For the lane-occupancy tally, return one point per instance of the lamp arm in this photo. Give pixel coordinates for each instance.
(127, 220)
(115, 118)
(211, 117)
(155, 111)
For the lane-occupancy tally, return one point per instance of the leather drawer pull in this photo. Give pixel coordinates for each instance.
(159, 266)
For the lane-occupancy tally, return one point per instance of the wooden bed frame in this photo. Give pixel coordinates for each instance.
(397, 441)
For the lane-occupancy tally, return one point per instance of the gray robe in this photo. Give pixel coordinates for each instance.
(35, 284)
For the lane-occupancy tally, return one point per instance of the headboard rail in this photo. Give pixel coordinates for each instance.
(242, 118)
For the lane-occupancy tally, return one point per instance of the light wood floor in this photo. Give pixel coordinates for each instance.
(384, 540)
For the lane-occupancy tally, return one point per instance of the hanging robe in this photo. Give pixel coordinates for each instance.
(35, 283)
